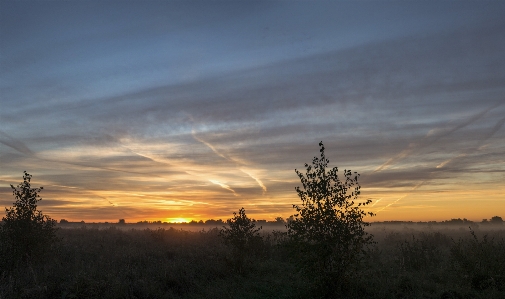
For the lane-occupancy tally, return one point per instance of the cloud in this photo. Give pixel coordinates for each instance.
(375, 202)
(224, 186)
(479, 147)
(137, 115)
(235, 161)
(15, 144)
(373, 74)
(402, 197)
(260, 183)
(193, 133)
(433, 136)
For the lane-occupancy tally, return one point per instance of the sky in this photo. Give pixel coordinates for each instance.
(190, 110)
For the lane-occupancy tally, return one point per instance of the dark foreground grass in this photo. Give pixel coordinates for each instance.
(169, 263)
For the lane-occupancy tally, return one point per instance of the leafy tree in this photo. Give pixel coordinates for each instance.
(242, 236)
(241, 231)
(25, 232)
(327, 231)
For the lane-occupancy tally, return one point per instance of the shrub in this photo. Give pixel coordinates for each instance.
(481, 260)
(25, 232)
(424, 252)
(327, 232)
(242, 236)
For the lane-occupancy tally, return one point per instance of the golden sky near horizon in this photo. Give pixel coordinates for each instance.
(192, 110)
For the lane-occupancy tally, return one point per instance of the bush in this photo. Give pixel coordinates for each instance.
(242, 236)
(482, 261)
(25, 233)
(327, 233)
(424, 253)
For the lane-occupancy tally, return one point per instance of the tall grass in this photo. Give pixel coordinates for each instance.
(170, 263)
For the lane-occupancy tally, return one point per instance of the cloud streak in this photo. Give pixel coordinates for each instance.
(237, 164)
(400, 198)
(431, 138)
(260, 183)
(193, 133)
(224, 186)
(15, 144)
(479, 147)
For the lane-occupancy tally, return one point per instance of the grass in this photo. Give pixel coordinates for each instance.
(170, 263)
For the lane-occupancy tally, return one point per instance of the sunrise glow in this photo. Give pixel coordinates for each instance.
(124, 112)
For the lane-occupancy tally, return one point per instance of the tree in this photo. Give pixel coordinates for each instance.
(26, 233)
(279, 220)
(327, 230)
(496, 220)
(241, 235)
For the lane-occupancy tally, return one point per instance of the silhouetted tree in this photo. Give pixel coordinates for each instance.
(241, 235)
(214, 222)
(279, 220)
(26, 233)
(328, 230)
(496, 220)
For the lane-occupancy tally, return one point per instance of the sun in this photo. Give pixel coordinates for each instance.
(179, 220)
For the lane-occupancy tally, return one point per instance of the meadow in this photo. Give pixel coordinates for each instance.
(128, 261)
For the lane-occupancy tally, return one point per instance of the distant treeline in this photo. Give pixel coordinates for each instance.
(493, 220)
(281, 221)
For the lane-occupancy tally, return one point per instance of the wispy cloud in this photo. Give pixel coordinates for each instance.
(237, 163)
(245, 99)
(376, 202)
(433, 136)
(260, 183)
(224, 186)
(15, 144)
(400, 198)
(480, 146)
(193, 133)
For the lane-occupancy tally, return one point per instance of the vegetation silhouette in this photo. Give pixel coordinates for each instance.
(325, 253)
(496, 220)
(328, 230)
(481, 262)
(25, 233)
(242, 236)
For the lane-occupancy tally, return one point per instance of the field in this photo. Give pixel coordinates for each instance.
(408, 261)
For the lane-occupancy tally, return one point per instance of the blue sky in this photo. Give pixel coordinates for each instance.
(186, 109)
